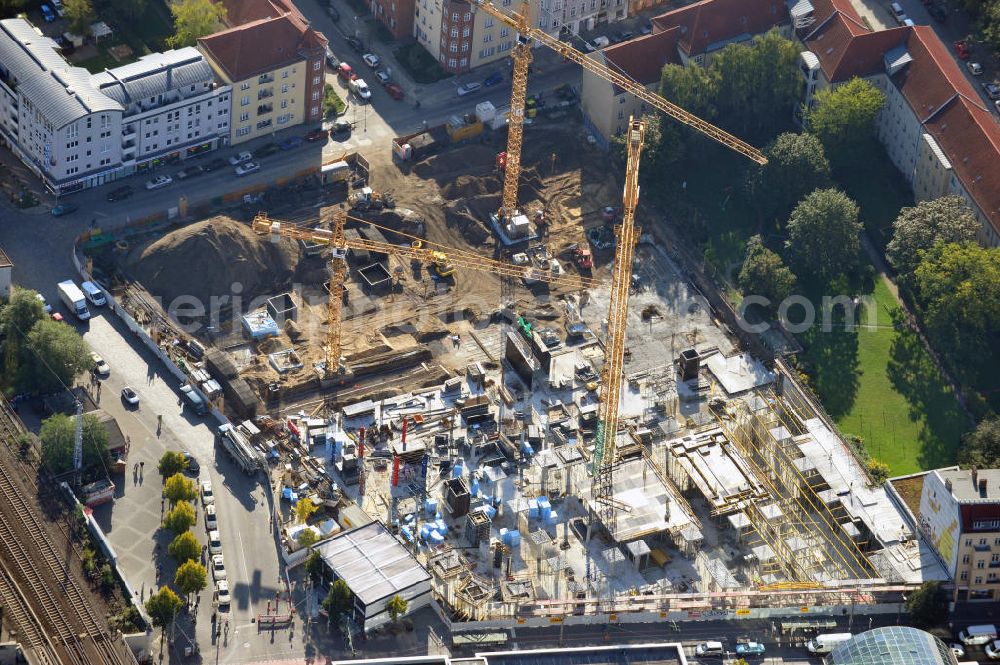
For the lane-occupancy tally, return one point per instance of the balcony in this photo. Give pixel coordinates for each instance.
(127, 131)
(128, 144)
(981, 548)
(264, 93)
(264, 109)
(265, 78)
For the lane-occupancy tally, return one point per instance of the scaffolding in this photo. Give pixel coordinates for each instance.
(808, 545)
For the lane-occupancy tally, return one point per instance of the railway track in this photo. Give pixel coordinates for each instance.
(47, 603)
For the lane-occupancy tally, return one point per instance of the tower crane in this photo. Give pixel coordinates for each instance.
(604, 451)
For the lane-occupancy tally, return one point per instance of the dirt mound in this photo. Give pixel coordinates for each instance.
(470, 217)
(465, 186)
(209, 258)
(470, 157)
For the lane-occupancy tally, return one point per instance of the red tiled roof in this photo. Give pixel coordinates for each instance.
(846, 50)
(933, 77)
(824, 9)
(240, 12)
(261, 46)
(968, 134)
(712, 21)
(643, 59)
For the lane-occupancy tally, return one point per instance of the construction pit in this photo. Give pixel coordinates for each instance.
(469, 432)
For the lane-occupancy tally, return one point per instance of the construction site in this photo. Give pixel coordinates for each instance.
(502, 365)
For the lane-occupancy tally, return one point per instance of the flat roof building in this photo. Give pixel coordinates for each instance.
(621, 654)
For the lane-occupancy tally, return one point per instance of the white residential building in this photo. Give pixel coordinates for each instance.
(173, 107)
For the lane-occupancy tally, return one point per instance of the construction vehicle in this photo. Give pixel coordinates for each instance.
(442, 267)
(368, 199)
(429, 140)
(583, 258)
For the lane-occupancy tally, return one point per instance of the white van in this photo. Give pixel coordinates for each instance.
(823, 644)
(94, 294)
(709, 649)
(981, 634)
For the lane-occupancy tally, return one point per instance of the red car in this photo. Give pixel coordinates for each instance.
(962, 48)
(345, 72)
(316, 135)
(394, 91)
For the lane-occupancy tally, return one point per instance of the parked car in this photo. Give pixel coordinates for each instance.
(974, 68)
(361, 89)
(383, 77)
(601, 42)
(247, 168)
(130, 396)
(45, 305)
(371, 60)
(355, 43)
(193, 465)
(957, 649)
(316, 135)
(211, 523)
(207, 496)
(646, 28)
(938, 13)
(468, 88)
(218, 567)
(214, 542)
(897, 12)
(266, 150)
(48, 14)
(215, 165)
(222, 593)
(496, 78)
(332, 11)
(291, 143)
(120, 193)
(992, 650)
(331, 59)
(624, 36)
(345, 72)
(159, 182)
(750, 649)
(992, 90)
(394, 91)
(64, 209)
(189, 172)
(240, 157)
(100, 365)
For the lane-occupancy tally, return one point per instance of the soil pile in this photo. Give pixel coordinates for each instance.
(209, 258)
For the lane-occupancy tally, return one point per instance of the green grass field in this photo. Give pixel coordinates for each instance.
(880, 384)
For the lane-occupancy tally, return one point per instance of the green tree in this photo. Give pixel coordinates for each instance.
(180, 518)
(178, 488)
(338, 600)
(796, 165)
(396, 607)
(304, 509)
(22, 311)
(52, 356)
(958, 293)
(823, 236)
(129, 9)
(927, 605)
(194, 19)
(765, 274)
(308, 538)
(314, 567)
(184, 547)
(981, 446)
(947, 219)
(844, 119)
(878, 470)
(163, 606)
(79, 16)
(191, 577)
(58, 435)
(662, 148)
(171, 463)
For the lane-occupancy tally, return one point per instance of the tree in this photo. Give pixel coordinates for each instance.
(58, 435)
(765, 274)
(958, 293)
(823, 236)
(180, 518)
(178, 488)
(981, 446)
(191, 577)
(184, 547)
(52, 357)
(11, 8)
(171, 463)
(878, 470)
(844, 118)
(338, 600)
(314, 567)
(927, 605)
(307, 538)
(79, 16)
(396, 607)
(796, 165)
(22, 311)
(304, 510)
(129, 9)
(947, 219)
(163, 606)
(194, 19)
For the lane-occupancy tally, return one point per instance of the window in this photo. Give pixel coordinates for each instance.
(317, 65)
(315, 96)
(284, 103)
(284, 74)
(487, 52)
(245, 85)
(243, 131)
(73, 131)
(454, 16)
(245, 100)
(454, 33)
(452, 63)
(465, 47)
(468, 16)
(504, 32)
(964, 576)
(980, 525)
(979, 580)
(244, 116)
(453, 47)
(980, 564)
(465, 31)
(315, 110)
(488, 23)
(105, 121)
(966, 559)
(284, 88)
(487, 38)
(463, 62)
(316, 80)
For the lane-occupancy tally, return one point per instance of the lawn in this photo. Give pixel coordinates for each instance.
(98, 63)
(146, 33)
(879, 383)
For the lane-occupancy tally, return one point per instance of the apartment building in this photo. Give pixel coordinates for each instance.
(396, 16)
(960, 514)
(577, 16)
(273, 61)
(173, 108)
(52, 116)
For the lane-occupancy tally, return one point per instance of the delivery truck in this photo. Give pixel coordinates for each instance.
(74, 299)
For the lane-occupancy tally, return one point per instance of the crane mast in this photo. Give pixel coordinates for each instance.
(614, 352)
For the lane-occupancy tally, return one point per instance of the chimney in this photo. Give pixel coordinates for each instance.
(975, 476)
(947, 484)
